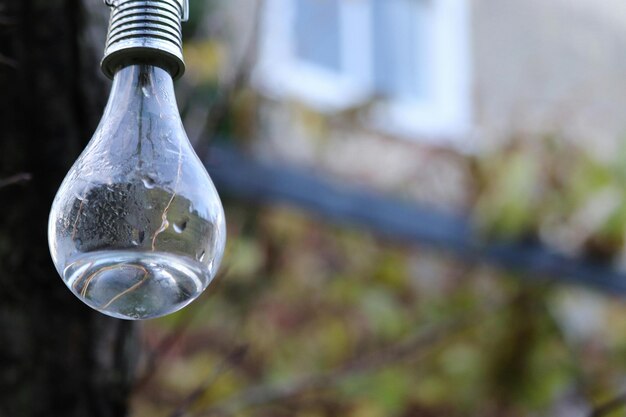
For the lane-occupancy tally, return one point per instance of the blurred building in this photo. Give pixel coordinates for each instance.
(394, 93)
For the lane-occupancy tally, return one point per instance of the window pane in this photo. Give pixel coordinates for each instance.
(400, 69)
(317, 32)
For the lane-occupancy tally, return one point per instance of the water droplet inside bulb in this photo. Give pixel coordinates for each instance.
(149, 183)
(180, 226)
(201, 256)
(138, 237)
(145, 92)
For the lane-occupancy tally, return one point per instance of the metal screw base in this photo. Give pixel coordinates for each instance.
(145, 31)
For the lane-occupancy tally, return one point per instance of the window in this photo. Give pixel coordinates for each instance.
(319, 47)
(311, 50)
(409, 59)
(400, 45)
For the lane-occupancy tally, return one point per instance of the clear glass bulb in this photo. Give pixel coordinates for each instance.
(137, 229)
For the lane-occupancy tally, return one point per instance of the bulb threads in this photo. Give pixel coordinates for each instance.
(145, 31)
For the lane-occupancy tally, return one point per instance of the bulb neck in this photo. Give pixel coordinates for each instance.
(145, 32)
(141, 89)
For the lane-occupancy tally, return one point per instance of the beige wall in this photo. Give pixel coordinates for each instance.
(551, 66)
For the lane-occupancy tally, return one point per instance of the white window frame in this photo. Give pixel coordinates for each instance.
(280, 72)
(443, 117)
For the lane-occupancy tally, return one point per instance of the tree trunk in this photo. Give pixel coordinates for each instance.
(57, 357)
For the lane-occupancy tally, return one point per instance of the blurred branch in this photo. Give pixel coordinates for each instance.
(169, 341)
(17, 178)
(4, 60)
(7, 21)
(420, 343)
(217, 111)
(234, 358)
(609, 407)
(164, 346)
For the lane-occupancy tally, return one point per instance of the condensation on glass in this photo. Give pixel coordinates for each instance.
(137, 229)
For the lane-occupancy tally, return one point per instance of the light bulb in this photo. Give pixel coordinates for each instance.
(137, 229)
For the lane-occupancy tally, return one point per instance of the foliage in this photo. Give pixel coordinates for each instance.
(550, 189)
(336, 323)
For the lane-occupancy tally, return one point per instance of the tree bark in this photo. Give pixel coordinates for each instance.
(57, 357)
